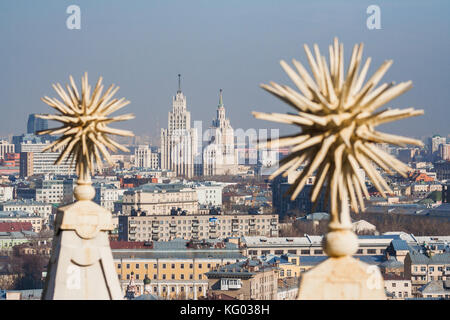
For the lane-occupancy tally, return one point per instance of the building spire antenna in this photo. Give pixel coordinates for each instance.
(220, 98)
(179, 83)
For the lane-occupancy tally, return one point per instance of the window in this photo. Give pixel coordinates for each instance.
(182, 266)
(137, 266)
(190, 266)
(305, 251)
(164, 277)
(182, 276)
(173, 276)
(199, 265)
(119, 266)
(164, 265)
(406, 284)
(318, 251)
(371, 251)
(432, 269)
(128, 266)
(394, 284)
(279, 252)
(173, 265)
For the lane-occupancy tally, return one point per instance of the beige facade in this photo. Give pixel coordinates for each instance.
(160, 199)
(424, 268)
(397, 287)
(244, 283)
(167, 227)
(306, 246)
(174, 270)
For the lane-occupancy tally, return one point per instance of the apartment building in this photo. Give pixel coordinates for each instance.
(254, 246)
(6, 193)
(21, 216)
(209, 193)
(5, 147)
(106, 194)
(160, 199)
(146, 157)
(42, 209)
(205, 226)
(424, 266)
(288, 288)
(55, 191)
(397, 286)
(175, 268)
(437, 289)
(245, 280)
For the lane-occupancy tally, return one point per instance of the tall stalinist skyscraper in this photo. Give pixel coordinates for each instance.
(219, 155)
(179, 140)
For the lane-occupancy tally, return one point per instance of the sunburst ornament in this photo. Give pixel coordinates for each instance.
(337, 116)
(84, 130)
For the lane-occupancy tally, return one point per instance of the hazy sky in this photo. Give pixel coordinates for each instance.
(234, 45)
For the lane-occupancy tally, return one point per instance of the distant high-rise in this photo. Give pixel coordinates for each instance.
(433, 146)
(5, 147)
(179, 140)
(144, 157)
(220, 155)
(35, 124)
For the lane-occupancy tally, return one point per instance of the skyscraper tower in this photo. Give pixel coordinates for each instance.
(35, 124)
(220, 155)
(179, 140)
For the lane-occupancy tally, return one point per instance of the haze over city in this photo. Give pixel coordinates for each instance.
(142, 46)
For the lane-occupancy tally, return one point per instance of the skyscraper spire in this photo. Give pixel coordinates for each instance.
(179, 83)
(220, 98)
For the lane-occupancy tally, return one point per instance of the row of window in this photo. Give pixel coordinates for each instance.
(204, 221)
(164, 265)
(164, 277)
(424, 268)
(307, 252)
(200, 228)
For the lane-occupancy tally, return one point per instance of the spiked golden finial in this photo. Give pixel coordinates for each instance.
(337, 117)
(84, 130)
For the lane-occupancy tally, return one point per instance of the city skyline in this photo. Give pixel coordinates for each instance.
(163, 40)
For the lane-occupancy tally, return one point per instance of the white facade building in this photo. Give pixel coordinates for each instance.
(107, 194)
(55, 191)
(145, 158)
(179, 140)
(44, 162)
(5, 147)
(219, 155)
(209, 194)
(6, 193)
